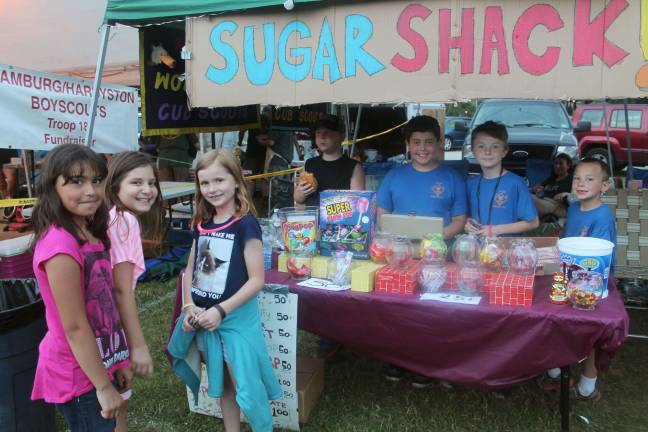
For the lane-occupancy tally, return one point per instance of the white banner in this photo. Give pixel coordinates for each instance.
(39, 111)
(279, 322)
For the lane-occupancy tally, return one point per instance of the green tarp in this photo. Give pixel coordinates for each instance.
(151, 11)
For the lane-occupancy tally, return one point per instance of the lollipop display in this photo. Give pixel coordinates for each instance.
(433, 275)
(585, 289)
(399, 253)
(433, 248)
(382, 241)
(491, 254)
(465, 251)
(522, 257)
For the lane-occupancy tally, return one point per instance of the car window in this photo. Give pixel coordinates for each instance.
(524, 114)
(618, 119)
(594, 116)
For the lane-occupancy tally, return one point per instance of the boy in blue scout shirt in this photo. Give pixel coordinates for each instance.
(498, 200)
(588, 217)
(425, 187)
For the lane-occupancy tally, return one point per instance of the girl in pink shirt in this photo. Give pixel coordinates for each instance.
(84, 350)
(132, 192)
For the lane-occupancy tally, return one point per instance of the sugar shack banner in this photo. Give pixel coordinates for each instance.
(393, 51)
(164, 100)
(39, 111)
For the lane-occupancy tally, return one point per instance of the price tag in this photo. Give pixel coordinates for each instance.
(451, 298)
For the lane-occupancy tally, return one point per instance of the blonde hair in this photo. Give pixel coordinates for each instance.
(243, 203)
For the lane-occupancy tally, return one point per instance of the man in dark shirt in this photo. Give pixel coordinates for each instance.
(332, 168)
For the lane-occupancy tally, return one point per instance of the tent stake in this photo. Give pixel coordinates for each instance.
(105, 32)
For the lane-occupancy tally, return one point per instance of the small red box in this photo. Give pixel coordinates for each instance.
(510, 289)
(398, 281)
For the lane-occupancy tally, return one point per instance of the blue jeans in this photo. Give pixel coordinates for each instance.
(83, 414)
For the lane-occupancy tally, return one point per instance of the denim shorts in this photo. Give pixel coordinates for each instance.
(83, 414)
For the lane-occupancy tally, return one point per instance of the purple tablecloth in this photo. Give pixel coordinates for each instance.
(483, 345)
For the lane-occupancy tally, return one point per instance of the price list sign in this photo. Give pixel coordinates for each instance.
(279, 325)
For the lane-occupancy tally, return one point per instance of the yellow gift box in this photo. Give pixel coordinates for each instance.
(363, 277)
(281, 262)
(319, 267)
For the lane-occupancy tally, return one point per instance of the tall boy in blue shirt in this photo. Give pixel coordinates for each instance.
(425, 187)
(499, 201)
(588, 217)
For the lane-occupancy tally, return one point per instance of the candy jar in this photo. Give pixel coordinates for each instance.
(558, 294)
(399, 253)
(339, 269)
(466, 250)
(469, 279)
(585, 289)
(522, 257)
(299, 265)
(433, 248)
(381, 242)
(433, 275)
(491, 254)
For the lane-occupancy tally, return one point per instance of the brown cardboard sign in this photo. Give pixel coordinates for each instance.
(393, 51)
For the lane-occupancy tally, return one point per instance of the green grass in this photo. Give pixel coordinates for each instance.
(356, 397)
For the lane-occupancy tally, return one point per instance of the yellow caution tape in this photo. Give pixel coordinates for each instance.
(349, 142)
(17, 202)
(272, 174)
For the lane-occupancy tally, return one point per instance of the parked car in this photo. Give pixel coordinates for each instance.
(454, 138)
(537, 129)
(594, 143)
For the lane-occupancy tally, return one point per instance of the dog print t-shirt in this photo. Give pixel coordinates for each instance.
(219, 263)
(59, 378)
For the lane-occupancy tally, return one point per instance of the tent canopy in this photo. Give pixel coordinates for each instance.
(129, 12)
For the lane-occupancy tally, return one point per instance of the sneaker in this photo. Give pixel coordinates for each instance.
(420, 381)
(549, 384)
(394, 373)
(595, 396)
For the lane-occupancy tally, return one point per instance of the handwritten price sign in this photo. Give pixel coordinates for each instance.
(279, 326)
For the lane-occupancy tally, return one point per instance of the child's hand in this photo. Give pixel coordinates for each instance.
(141, 361)
(111, 401)
(124, 378)
(305, 188)
(210, 319)
(472, 226)
(190, 319)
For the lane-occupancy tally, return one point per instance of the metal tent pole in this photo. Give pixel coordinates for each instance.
(355, 130)
(105, 32)
(607, 139)
(628, 144)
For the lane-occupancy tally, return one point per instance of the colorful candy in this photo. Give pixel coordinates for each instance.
(558, 294)
(399, 253)
(299, 266)
(492, 254)
(433, 248)
(582, 299)
(378, 247)
(522, 257)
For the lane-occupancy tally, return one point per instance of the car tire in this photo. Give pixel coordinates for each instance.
(601, 154)
(447, 144)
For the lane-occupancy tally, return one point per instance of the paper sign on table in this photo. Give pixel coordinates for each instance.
(324, 284)
(451, 298)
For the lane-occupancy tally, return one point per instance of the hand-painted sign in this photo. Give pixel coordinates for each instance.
(420, 51)
(165, 109)
(39, 111)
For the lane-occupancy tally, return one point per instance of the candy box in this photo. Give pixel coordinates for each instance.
(398, 281)
(509, 289)
(346, 221)
(363, 277)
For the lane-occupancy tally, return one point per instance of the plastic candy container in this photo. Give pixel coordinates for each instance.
(585, 289)
(399, 253)
(433, 276)
(491, 254)
(466, 250)
(299, 265)
(382, 241)
(522, 257)
(433, 248)
(469, 279)
(339, 270)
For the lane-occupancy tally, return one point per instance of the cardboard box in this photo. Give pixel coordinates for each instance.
(398, 281)
(319, 267)
(363, 277)
(509, 289)
(346, 221)
(310, 382)
(282, 262)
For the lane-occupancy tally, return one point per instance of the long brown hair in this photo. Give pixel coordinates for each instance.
(205, 211)
(152, 222)
(68, 161)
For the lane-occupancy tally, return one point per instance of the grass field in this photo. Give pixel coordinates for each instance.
(356, 396)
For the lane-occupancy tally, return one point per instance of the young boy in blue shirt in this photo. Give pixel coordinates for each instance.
(425, 187)
(588, 217)
(499, 201)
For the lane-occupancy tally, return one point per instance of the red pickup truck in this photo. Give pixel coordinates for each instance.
(593, 143)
